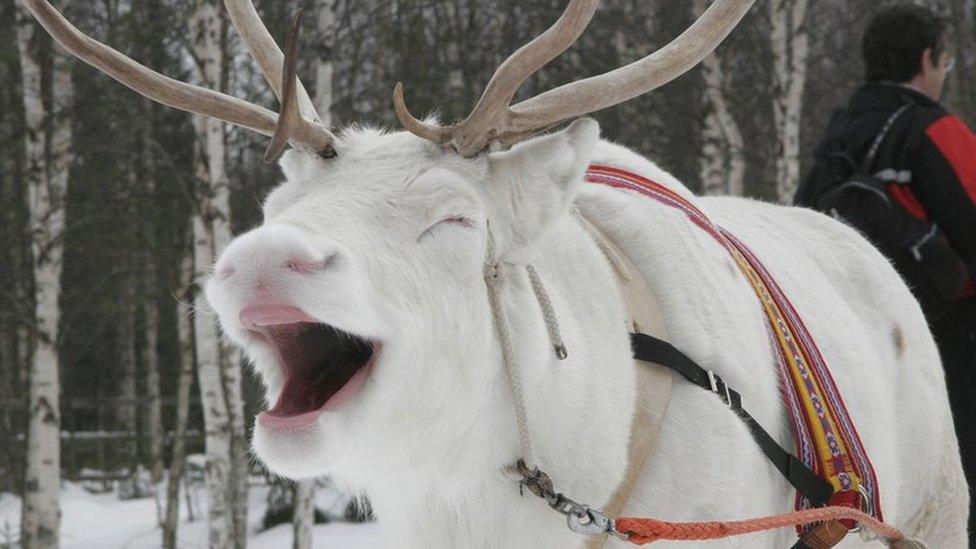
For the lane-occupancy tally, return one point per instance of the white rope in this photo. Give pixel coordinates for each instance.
(494, 281)
(608, 249)
(548, 313)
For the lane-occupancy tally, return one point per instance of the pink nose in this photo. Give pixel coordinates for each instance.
(271, 251)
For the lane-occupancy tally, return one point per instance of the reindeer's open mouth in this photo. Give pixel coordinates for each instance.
(322, 367)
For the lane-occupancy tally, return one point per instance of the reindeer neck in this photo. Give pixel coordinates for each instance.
(579, 414)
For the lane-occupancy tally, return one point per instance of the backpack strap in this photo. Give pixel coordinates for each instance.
(868, 160)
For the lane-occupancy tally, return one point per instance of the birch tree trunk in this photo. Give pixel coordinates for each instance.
(210, 230)
(962, 25)
(47, 147)
(150, 311)
(184, 382)
(215, 415)
(790, 45)
(231, 361)
(153, 402)
(13, 319)
(304, 515)
(146, 36)
(153, 415)
(723, 164)
(324, 65)
(231, 370)
(127, 453)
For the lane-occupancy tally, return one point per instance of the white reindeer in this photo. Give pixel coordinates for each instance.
(362, 302)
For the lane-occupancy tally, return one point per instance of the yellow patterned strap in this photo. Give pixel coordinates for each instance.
(826, 439)
(831, 451)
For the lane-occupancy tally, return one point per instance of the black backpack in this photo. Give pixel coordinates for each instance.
(917, 247)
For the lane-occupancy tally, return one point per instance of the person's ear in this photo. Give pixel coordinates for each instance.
(928, 63)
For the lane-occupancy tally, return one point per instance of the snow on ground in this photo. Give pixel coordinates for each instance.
(103, 521)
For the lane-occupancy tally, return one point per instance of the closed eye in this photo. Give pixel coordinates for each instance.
(449, 220)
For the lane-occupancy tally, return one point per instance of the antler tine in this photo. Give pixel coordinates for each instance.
(430, 132)
(291, 123)
(492, 110)
(614, 87)
(180, 95)
(147, 82)
(494, 120)
(493, 107)
(263, 48)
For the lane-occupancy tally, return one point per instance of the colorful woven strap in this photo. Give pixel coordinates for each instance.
(826, 439)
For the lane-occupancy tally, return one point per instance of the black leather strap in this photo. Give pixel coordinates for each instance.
(652, 349)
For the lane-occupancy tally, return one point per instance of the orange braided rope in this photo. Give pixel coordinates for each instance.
(643, 531)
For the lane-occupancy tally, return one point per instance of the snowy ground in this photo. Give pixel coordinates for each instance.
(103, 521)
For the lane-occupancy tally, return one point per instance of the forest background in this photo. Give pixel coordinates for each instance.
(112, 207)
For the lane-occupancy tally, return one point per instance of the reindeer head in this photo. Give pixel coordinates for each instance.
(361, 299)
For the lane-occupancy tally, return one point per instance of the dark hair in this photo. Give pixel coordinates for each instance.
(896, 38)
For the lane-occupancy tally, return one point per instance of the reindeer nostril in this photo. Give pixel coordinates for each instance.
(330, 261)
(300, 265)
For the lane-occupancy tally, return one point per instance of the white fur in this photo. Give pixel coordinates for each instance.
(433, 428)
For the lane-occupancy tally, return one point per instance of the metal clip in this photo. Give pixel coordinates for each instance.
(580, 518)
(561, 352)
(589, 523)
(593, 522)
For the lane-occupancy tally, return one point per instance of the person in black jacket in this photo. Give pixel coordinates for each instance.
(928, 161)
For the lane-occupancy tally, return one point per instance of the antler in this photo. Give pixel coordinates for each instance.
(262, 47)
(180, 95)
(494, 120)
(291, 123)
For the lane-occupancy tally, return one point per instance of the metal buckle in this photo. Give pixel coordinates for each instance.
(867, 505)
(713, 381)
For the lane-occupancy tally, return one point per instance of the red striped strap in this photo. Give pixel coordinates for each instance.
(825, 436)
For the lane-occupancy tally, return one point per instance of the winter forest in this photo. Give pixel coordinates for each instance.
(112, 208)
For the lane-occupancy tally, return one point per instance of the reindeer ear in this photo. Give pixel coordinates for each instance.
(534, 184)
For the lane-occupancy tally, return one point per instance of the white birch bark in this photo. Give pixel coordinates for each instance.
(126, 452)
(13, 319)
(790, 45)
(723, 162)
(150, 311)
(209, 231)
(304, 515)
(231, 368)
(230, 361)
(962, 45)
(47, 162)
(185, 319)
(324, 66)
(150, 361)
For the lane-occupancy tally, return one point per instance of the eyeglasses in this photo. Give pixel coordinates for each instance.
(950, 64)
